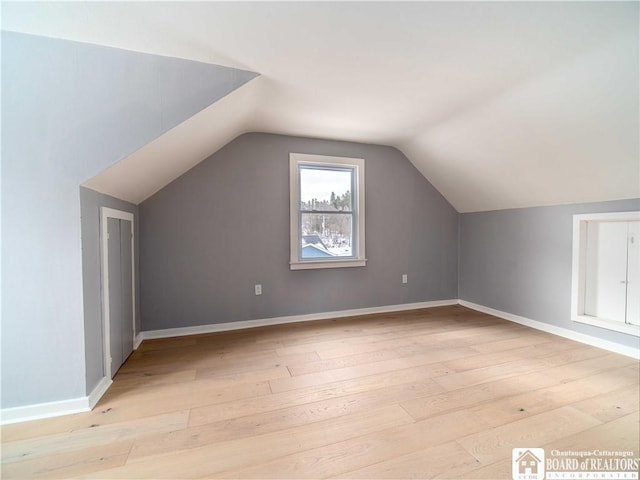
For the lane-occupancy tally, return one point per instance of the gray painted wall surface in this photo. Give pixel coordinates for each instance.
(70, 110)
(209, 236)
(90, 204)
(519, 261)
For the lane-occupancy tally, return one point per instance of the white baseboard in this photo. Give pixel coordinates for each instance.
(137, 341)
(560, 331)
(43, 410)
(223, 327)
(85, 404)
(55, 409)
(98, 391)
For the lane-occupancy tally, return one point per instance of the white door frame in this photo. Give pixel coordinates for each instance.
(105, 214)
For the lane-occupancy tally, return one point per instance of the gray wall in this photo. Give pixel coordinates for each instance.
(90, 204)
(519, 261)
(210, 235)
(70, 110)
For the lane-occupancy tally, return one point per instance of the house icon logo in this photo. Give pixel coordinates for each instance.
(527, 463)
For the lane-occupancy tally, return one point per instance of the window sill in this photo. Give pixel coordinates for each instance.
(314, 264)
(609, 324)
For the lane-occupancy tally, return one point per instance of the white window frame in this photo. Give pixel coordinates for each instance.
(359, 259)
(578, 270)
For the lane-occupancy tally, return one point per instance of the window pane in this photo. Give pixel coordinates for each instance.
(325, 190)
(326, 235)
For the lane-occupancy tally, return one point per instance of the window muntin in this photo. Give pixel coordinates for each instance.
(327, 211)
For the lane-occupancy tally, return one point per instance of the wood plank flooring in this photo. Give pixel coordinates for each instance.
(436, 393)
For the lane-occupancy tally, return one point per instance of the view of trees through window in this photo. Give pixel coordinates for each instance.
(326, 206)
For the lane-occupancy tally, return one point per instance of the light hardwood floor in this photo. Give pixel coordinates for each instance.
(439, 393)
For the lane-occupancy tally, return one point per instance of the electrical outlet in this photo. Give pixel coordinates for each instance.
(405, 279)
(258, 289)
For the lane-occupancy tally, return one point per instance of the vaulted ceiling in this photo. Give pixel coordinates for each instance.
(498, 104)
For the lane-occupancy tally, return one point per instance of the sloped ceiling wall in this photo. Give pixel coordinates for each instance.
(498, 104)
(161, 161)
(70, 110)
(567, 136)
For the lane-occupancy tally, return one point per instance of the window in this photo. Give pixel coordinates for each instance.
(606, 271)
(327, 211)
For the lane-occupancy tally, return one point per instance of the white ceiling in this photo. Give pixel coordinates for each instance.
(498, 104)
